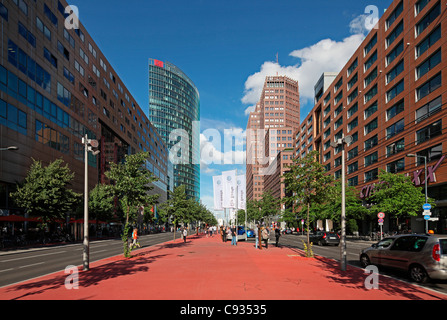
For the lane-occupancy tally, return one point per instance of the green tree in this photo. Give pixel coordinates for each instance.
(306, 183)
(45, 192)
(395, 194)
(253, 212)
(331, 209)
(132, 182)
(101, 202)
(269, 205)
(176, 208)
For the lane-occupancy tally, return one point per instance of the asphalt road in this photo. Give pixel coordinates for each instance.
(353, 248)
(24, 264)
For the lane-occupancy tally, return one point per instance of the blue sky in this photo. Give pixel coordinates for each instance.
(227, 47)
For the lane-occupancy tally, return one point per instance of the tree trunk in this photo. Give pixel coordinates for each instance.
(308, 225)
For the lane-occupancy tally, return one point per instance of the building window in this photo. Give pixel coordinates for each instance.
(395, 91)
(370, 110)
(395, 33)
(370, 78)
(428, 87)
(353, 167)
(353, 81)
(390, 76)
(371, 94)
(420, 5)
(370, 61)
(394, 53)
(353, 153)
(353, 124)
(353, 110)
(428, 64)
(395, 128)
(371, 175)
(370, 45)
(429, 109)
(395, 147)
(396, 166)
(394, 15)
(428, 41)
(395, 110)
(429, 132)
(352, 67)
(371, 126)
(428, 19)
(13, 118)
(432, 153)
(354, 181)
(371, 142)
(3, 12)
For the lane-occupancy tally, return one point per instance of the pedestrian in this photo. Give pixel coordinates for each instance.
(233, 236)
(257, 235)
(222, 233)
(185, 233)
(265, 237)
(135, 242)
(277, 235)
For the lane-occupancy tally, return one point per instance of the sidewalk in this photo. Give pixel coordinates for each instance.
(212, 270)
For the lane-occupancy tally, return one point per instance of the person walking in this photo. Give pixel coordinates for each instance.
(277, 235)
(233, 236)
(265, 237)
(222, 233)
(185, 233)
(257, 236)
(135, 242)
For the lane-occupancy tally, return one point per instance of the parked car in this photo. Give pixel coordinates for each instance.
(423, 256)
(241, 234)
(288, 231)
(251, 233)
(323, 238)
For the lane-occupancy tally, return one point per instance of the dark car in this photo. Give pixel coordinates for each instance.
(324, 238)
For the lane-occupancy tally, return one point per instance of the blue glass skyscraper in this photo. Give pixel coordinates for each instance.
(174, 106)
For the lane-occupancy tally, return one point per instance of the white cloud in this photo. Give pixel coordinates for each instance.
(326, 55)
(218, 151)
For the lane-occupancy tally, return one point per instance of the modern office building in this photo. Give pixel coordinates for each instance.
(270, 129)
(174, 109)
(390, 98)
(56, 86)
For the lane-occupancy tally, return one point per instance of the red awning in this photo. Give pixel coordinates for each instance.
(14, 218)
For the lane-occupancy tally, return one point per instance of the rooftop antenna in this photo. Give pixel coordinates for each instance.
(277, 61)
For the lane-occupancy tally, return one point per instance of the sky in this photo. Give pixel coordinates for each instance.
(227, 48)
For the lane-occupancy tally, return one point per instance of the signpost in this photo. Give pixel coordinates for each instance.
(381, 215)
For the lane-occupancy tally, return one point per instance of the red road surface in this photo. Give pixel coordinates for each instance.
(207, 269)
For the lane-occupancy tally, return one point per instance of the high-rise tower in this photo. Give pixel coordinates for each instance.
(174, 106)
(270, 131)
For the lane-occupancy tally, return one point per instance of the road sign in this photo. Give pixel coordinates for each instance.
(427, 213)
(426, 206)
(427, 217)
(381, 215)
(380, 220)
(380, 223)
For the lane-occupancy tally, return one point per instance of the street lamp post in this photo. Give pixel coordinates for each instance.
(425, 177)
(89, 144)
(335, 144)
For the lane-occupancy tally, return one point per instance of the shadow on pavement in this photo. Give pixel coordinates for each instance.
(117, 267)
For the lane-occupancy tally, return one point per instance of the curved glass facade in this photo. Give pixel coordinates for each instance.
(174, 103)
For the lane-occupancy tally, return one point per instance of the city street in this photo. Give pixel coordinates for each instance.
(20, 265)
(353, 248)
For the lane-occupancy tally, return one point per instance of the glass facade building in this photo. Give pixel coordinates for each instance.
(174, 110)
